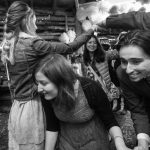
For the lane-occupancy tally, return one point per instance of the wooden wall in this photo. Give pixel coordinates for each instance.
(50, 23)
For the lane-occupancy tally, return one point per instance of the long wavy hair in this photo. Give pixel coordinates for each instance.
(99, 53)
(19, 18)
(59, 71)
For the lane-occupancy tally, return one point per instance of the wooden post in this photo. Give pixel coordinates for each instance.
(54, 6)
(31, 3)
(77, 4)
(66, 22)
(7, 3)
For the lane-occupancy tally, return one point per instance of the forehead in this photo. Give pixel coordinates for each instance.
(92, 39)
(40, 76)
(132, 51)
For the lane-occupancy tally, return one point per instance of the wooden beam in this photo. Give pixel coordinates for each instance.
(31, 1)
(66, 23)
(77, 4)
(7, 4)
(54, 5)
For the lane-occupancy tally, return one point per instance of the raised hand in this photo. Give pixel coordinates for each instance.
(86, 25)
(72, 35)
(64, 38)
(99, 19)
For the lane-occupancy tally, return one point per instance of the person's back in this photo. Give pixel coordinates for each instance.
(22, 85)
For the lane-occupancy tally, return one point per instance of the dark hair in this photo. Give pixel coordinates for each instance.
(18, 18)
(58, 70)
(140, 38)
(99, 53)
(120, 40)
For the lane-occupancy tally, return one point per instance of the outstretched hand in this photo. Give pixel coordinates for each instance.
(72, 35)
(99, 19)
(87, 24)
(64, 38)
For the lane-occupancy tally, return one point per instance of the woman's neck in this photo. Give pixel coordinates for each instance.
(91, 55)
(25, 35)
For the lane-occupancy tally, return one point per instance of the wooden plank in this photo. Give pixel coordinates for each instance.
(1, 27)
(50, 12)
(1, 23)
(50, 33)
(54, 23)
(55, 18)
(2, 18)
(1, 34)
(50, 37)
(52, 28)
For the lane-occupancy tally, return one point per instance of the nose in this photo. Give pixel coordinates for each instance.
(40, 89)
(129, 68)
(93, 44)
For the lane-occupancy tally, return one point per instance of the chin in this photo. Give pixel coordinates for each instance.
(49, 98)
(135, 79)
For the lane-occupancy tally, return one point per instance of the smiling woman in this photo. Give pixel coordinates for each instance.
(134, 76)
(135, 61)
(96, 60)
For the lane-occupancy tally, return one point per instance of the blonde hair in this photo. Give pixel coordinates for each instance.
(18, 18)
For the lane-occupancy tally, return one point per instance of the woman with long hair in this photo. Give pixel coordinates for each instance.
(77, 110)
(96, 60)
(22, 49)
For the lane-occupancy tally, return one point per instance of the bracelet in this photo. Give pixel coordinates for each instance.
(118, 137)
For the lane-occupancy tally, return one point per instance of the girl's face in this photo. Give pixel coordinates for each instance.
(135, 62)
(91, 45)
(45, 86)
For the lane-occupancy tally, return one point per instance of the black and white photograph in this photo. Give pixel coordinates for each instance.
(74, 74)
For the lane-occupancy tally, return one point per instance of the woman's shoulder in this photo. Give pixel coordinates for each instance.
(28, 37)
(25, 35)
(91, 88)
